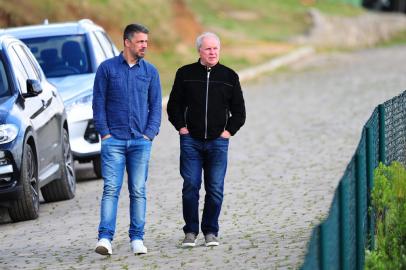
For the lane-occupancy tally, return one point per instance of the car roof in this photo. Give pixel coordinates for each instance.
(53, 29)
(6, 39)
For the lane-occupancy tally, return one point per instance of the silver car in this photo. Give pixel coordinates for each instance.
(69, 53)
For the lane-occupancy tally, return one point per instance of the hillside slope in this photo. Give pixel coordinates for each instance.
(251, 31)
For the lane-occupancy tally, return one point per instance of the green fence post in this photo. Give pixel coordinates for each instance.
(344, 226)
(370, 154)
(323, 247)
(341, 206)
(320, 246)
(359, 224)
(382, 156)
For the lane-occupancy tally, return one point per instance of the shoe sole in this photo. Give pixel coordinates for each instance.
(139, 252)
(212, 244)
(102, 251)
(187, 245)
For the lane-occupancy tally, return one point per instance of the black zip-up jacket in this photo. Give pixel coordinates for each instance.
(206, 101)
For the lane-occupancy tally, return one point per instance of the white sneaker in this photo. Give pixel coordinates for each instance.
(138, 247)
(103, 247)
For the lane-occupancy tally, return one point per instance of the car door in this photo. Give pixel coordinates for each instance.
(54, 111)
(38, 109)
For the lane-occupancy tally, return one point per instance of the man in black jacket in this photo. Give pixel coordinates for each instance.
(206, 106)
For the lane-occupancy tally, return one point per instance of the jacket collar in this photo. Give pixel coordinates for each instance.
(205, 67)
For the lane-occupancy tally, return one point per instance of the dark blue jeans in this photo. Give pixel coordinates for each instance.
(209, 156)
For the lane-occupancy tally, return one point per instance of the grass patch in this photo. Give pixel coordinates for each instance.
(263, 20)
(397, 39)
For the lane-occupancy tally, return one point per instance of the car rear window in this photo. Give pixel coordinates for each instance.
(61, 56)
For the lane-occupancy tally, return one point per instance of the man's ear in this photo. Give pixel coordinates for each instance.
(127, 42)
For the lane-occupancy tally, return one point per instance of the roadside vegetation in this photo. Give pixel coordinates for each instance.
(389, 205)
(398, 39)
(252, 31)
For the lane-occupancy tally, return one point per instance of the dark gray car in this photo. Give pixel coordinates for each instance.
(34, 140)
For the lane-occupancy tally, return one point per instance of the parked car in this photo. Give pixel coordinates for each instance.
(69, 53)
(34, 139)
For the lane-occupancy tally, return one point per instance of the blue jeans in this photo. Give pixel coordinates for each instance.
(116, 155)
(209, 156)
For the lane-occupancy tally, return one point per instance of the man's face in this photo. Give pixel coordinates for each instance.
(209, 51)
(137, 45)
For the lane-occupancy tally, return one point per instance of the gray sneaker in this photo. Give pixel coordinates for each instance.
(211, 240)
(190, 240)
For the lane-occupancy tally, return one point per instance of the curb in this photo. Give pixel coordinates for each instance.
(275, 63)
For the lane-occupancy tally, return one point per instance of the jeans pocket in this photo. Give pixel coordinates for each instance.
(147, 140)
(107, 139)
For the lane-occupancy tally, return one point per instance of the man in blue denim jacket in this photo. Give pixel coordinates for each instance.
(127, 106)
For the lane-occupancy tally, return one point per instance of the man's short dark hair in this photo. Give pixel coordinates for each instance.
(134, 28)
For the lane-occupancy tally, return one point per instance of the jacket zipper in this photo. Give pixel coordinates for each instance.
(185, 116)
(207, 101)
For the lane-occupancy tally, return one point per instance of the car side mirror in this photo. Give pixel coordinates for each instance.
(33, 88)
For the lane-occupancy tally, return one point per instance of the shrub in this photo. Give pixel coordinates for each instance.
(389, 205)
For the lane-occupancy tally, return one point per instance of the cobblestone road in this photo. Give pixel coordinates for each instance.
(302, 128)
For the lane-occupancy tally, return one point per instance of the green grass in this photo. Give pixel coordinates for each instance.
(265, 20)
(398, 39)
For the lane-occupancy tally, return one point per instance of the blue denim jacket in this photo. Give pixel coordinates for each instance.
(127, 100)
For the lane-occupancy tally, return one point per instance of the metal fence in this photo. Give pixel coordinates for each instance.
(339, 242)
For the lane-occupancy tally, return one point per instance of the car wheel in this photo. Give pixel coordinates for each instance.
(27, 207)
(64, 188)
(97, 167)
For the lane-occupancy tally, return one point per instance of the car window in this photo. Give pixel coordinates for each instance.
(4, 86)
(61, 56)
(105, 43)
(27, 64)
(19, 70)
(33, 62)
(115, 50)
(99, 54)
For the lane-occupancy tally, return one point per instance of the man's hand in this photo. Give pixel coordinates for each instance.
(183, 131)
(106, 136)
(225, 134)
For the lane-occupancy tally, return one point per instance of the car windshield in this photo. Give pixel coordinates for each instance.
(61, 56)
(4, 86)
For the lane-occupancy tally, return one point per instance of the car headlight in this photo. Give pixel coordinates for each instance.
(83, 100)
(8, 132)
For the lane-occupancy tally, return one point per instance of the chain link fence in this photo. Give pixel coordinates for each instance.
(340, 241)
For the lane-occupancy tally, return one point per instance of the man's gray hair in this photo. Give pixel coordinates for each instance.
(199, 39)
